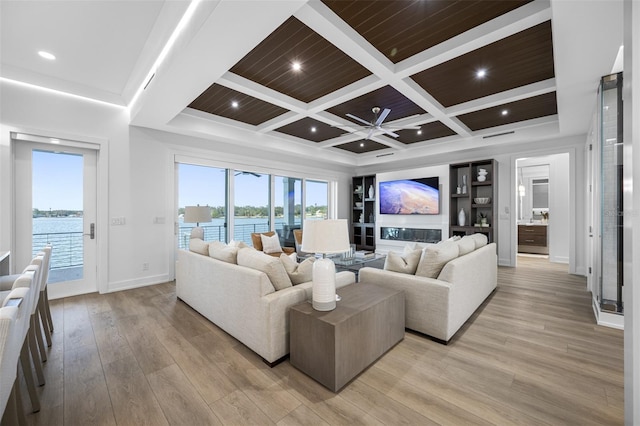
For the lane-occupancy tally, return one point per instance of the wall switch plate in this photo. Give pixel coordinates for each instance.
(159, 220)
(115, 221)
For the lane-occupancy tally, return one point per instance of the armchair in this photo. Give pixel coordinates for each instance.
(257, 243)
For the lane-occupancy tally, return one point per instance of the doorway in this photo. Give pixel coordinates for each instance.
(55, 203)
(543, 224)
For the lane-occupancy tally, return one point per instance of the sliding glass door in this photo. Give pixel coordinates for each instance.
(204, 186)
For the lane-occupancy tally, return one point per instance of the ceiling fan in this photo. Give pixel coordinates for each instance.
(377, 123)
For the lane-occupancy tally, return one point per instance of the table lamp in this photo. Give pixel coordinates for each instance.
(325, 237)
(197, 214)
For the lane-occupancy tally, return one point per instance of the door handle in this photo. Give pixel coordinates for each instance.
(92, 231)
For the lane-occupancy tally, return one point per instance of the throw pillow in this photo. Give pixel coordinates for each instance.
(405, 263)
(237, 244)
(221, 251)
(271, 244)
(466, 245)
(298, 272)
(196, 245)
(480, 239)
(454, 238)
(270, 265)
(435, 256)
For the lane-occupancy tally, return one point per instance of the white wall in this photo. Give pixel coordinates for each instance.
(138, 180)
(440, 221)
(506, 157)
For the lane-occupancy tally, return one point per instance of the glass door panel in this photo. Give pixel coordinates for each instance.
(204, 186)
(316, 199)
(287, 208)
(251, 205)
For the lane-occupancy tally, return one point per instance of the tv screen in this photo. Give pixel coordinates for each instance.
(410, 196)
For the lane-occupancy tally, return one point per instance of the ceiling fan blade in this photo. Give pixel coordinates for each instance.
(358, 119)
(382, 117)
(390, 133)
(401, 127)
(370, 133)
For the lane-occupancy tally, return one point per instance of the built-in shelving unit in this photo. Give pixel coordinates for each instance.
(363, 216)
(465, 188)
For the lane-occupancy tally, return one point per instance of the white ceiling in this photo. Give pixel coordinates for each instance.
(105, 49)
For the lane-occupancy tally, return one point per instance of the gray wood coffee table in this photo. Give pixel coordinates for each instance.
(334, 347)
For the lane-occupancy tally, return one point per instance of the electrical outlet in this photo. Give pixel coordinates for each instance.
(145, 266)
(158, 220)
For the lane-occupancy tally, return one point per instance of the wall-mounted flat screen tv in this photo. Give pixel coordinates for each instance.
(410, 196)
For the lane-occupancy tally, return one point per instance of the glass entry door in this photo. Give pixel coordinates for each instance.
(55, 194)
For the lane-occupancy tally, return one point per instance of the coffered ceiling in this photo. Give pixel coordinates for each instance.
(297, 76)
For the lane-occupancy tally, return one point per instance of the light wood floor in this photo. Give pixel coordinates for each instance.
(531, 354)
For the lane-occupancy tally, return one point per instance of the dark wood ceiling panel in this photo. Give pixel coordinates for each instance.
(311, 129)
(324, 68)
(525, 109)
(385, 97)
(518, 60)
(400, 29)
(427, 131)
(362, 146)
(219, 100)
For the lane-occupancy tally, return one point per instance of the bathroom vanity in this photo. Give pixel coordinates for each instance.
(532, 238)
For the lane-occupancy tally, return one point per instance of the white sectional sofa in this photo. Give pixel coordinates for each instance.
(242, 300)
(438, 306)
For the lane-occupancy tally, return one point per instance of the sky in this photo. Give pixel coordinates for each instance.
(57, 181)
(57, 185)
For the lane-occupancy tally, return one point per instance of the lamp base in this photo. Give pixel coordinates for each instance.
(324, 285)
(197, 232)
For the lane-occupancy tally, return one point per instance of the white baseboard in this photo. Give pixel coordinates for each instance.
(559, 259)
(504, 262)
(138, 282)
(606, 319)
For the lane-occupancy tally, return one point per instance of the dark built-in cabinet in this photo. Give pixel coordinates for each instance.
(363, 214)
(467, 191)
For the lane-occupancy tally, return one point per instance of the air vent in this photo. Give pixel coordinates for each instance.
(384, 155)
(498, 134)
(150, 78)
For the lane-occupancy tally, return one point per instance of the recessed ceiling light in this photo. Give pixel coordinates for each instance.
(313, 130)
(47, 55)
(56, 141)
(296, 66)
(504, 112)
(235, 104)
(481, 73)
(419, 132)
(361, 144)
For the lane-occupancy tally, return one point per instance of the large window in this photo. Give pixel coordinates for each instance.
(316, 199)
(287, 208)
(204, 186)
(252, 207)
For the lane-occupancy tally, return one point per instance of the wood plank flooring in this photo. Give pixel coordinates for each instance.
(532, 354)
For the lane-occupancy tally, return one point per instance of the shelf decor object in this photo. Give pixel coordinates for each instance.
(325, 237)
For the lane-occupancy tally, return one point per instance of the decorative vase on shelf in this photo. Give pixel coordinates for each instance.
(464, 184)
(371, 191)
(462, 218)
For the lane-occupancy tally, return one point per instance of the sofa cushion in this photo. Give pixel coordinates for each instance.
(298, 272)
(405, 263)
(454, 238)
(221, 251)
(480, 239)
(466, 245)
(435, 256)
(196, 245)
(270, 244)
(270, 265)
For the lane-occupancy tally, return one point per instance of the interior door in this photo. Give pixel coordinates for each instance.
(55, 203)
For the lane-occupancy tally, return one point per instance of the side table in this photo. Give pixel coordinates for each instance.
(334, 347)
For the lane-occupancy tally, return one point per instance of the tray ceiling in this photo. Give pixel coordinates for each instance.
(419, 59)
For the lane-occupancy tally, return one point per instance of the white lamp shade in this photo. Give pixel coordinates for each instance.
(197, 214)
(325, 236)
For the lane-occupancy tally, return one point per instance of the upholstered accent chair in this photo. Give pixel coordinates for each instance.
(256, 239)
(297, 235)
